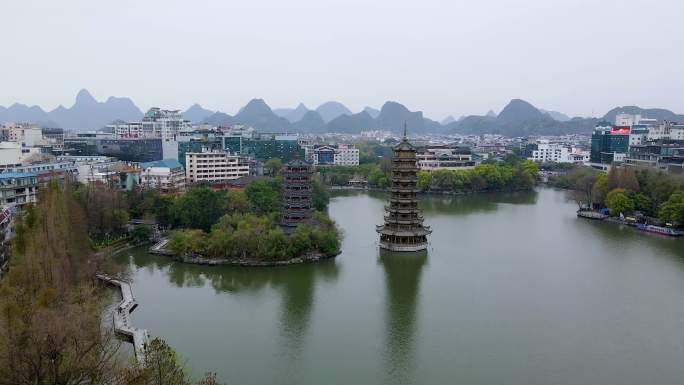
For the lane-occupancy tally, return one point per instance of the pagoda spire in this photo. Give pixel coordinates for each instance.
(405, 139)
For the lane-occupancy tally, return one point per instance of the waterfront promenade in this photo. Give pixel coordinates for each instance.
(122, 321)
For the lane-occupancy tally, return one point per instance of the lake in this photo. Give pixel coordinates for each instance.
(515, 289)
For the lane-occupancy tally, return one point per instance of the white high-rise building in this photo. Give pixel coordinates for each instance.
(165, 124)
(626, 120)
(157, 123)
(127, 129)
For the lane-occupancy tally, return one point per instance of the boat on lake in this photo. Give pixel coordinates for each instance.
(660, 230)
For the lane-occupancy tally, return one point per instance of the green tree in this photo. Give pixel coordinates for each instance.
(642, 203)
(164, 210)
(161, 367)
(236, 201)
(600, 189)
(321, 197)
(263, 196)
(273, 166)
(377, 178)
(618, 202)
(424, 180)
(199, 208)
(672, 210)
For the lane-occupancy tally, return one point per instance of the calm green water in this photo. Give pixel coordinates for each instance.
(514, 290)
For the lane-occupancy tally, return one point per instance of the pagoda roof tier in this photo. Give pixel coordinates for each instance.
(402, 210)
(404, 179)
(295, 201)
(389, 221)
(410, 189)
(297, 193)
(297, 186)
(394, 199)
(404, 159)
(423, 230)
(297, 207)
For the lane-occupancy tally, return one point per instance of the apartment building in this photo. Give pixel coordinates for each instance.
(445, 158)
(214, 166)
(18, 188)
(166, 175)
(157, 123)
(338, 155)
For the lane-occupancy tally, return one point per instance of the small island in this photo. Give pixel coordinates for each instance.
(278, 220)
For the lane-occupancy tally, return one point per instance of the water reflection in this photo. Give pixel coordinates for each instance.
(470, 204)
(295, 283)
(402, 277)
(618, 235)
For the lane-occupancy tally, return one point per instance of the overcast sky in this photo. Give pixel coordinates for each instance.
(441, 57)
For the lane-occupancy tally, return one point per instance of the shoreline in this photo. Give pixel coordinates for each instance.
(199, 260)
(446, 192)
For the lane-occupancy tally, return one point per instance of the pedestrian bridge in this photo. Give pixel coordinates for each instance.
(122, 319)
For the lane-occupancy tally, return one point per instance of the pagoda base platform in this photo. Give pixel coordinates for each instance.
(403, 248)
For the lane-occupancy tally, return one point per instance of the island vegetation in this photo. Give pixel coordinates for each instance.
(652, 194)
(240, 225)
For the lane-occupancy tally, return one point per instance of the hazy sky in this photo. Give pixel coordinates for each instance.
(441, 57)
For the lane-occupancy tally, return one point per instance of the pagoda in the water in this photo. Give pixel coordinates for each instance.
(297, 193)
(403, 229)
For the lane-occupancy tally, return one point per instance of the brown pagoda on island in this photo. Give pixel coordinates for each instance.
(403, 229)
(297, 193)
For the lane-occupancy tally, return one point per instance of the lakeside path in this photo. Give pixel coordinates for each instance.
(122, 322)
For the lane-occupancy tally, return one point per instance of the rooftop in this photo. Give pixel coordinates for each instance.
(9, 175)
(170, 163)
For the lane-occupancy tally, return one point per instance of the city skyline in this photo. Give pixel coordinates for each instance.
(576, 57)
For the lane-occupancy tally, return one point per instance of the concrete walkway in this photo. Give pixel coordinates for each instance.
(160, 247)
(122, 321)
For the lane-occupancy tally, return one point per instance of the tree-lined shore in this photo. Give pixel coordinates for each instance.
(652, 194)
(511, 174)
(51, 306)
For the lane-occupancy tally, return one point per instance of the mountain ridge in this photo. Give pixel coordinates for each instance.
(517, 118)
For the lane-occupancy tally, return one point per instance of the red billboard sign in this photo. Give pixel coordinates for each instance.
(620, 130)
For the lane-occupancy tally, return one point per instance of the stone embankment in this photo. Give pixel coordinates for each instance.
(160, 249)
(122, 313)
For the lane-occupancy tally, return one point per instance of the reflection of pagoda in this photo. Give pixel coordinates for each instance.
(402, 277)
(403, 229)
(297, 190)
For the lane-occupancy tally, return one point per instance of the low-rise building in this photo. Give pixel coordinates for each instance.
(166, 175)
(6, 215)
(26, 134)
(19, 188)
(548, 152)
(128, 150)
(445, 158)
(265, 146)
(337, 155)
(10, 154)
(214, 166)
(664, 154)
(47, 171)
